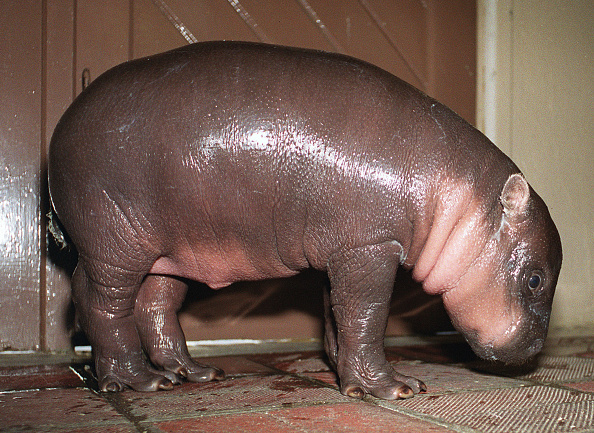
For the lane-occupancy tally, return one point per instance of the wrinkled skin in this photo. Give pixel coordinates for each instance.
(221, 162)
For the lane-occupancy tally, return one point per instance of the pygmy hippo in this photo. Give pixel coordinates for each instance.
(227, 161)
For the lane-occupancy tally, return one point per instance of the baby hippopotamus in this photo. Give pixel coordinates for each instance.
(227, 161)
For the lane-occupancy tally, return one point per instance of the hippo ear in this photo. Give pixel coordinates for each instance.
(515, 195)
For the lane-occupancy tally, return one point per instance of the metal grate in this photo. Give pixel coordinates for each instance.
(524, 409)
(561, 369)
(567, 417)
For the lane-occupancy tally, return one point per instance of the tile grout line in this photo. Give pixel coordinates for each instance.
(91, 385)
(122, 407)
(226, 412)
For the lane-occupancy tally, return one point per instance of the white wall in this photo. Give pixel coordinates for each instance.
(535, 101)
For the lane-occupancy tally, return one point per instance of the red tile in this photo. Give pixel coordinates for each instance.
(295, 362)
(354, 417)
(249, 422)
(67, 409)
(348, 417)
(236, 393)
(328, 377)
(37, 377)
(438, 378)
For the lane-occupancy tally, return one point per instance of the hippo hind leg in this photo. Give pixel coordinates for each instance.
(361, 283)
(330, 344)
(155, 314)
(105, 308)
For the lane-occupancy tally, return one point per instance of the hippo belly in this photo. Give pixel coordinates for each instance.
(217, 270)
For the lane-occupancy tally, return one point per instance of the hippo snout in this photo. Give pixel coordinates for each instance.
(515, 348)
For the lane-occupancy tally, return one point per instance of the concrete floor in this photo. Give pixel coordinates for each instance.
(296, 391)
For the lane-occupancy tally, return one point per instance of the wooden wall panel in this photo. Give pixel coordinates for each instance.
(20, 138)
(452, 78)
(405, 24)
(430, 44)
(156, 24)
(361, 37)
(61, 86)
(44, 47)
(153, 32)
(102, 35)
(288, 23)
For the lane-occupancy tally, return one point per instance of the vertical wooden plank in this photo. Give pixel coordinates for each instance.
(20, 117)
(58, 96)
(452, 55)
(102, 32)
(59, 55)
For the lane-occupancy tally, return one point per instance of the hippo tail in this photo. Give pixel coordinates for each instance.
(54, 227)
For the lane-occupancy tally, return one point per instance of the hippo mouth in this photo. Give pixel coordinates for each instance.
(521, 342)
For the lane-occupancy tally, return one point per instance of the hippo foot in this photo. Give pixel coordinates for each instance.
(177, 360)
(154, 380)
(194, 372)
(386, 385)
(145, 379)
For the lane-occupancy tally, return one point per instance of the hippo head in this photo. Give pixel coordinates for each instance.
(500, 297)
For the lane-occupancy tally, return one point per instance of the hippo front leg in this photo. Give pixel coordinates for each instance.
(361, 284)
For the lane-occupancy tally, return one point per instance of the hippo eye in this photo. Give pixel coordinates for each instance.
(535, 282)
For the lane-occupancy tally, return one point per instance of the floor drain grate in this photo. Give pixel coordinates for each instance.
(525, 409)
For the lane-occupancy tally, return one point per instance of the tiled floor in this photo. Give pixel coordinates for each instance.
(297, 392)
